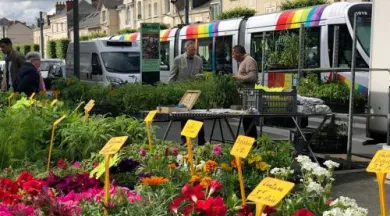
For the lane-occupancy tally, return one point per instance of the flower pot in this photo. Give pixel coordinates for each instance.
(342, 106)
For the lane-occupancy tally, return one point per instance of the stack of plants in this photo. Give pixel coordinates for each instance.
(131, 99)
(334, 93)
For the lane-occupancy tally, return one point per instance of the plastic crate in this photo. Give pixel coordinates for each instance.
(269, 102)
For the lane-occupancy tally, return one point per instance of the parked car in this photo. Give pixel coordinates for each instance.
(52, 69)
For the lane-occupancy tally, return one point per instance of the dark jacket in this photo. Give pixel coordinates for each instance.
(16, 60)
(28, 81)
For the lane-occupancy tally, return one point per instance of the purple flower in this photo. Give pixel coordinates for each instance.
(145, 175)
(142, 152)
(128, 165)
(217, 149)
(175, 151)
(76, 164)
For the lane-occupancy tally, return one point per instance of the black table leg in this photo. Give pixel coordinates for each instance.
(230, 129)
(212, 130)
(167, 131)
(220, 127)
(239, 127)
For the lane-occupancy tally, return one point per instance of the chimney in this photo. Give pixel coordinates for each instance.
(69, 5)
(95, 3)
(59, 7)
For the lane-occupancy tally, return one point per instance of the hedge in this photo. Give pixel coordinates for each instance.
(131, 99)
(52, 49)
(92, 36)
(35, 47)
(236, 12)
(127, 31)
(294, 4)
(17, 48)
(62, 48)
(26, 49)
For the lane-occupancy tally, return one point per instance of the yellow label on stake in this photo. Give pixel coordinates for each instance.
(191, 129)
(150, 116)
(89, 106)
(113, 145)
(32, 96)
(100, 169)
(380, 163)
(242, 146)
(270, 191)
(12, 95)
(53, 102)
(59, 120)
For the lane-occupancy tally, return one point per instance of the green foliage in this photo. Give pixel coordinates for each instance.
(62, 48)
(284, 50)
(92, 36)
(17, 48)
(127, 31)
(26, 49)
(294, 4)
(236, 12)
(52, 49)
(164, 26)
(35, 47)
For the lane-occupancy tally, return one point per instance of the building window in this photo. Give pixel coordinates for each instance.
(167, 6)
(215, 10)
(62, 27)
(150, 10)
(155, 9)
(104, 16)
(139, 10)
(128, 16)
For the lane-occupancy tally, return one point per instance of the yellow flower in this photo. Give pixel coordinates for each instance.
(205, 182)
(154, 180)
(210, 166)
(225, 167)
(234, 163)
(262, 166)
(194, 179)
(254, 159)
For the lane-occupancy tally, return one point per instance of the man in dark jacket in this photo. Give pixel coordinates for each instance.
(13, 62)
(28, 81)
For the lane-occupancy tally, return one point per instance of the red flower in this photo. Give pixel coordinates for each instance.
(95, 164)
(245, 211)
(61, 163)
(214, 186)
(188, 210)
(212, 206)
(25, 176)
(329, 202)
(174, 206)
(8, 185)
(194, 193)
(33, 187)
(269, 210)
(303, 212)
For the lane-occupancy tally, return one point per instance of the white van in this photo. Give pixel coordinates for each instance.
(106, 62)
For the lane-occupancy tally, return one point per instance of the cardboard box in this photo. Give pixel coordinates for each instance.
(188, 100)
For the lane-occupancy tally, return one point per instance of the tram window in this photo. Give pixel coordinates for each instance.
(205, 48)
(223, 54)
(256, 48)
(164, 56)
(312, 47)
(345, 49)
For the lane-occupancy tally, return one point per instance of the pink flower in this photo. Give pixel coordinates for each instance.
(76, 164)
(175, 152)
(217, 149)
(303, 212)
(214, 186)
(142, 152)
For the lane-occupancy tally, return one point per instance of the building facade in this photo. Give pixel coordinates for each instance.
(17, 31)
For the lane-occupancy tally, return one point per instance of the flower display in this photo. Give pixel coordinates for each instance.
(210, 166)
(205, 182)
(217, 150)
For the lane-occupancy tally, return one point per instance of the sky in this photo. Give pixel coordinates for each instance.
(26, 10)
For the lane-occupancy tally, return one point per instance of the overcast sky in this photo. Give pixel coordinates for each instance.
(26, 10)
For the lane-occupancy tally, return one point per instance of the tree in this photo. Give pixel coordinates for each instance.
(293, 4)
(236, 12)
(164, 26)
(52, 49)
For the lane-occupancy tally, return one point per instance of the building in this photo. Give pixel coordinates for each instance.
(263, 6)
(17, 31)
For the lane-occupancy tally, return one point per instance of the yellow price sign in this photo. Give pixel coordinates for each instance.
(52, 139)
(380, 163)
(270, 191)
(53, 102)
(191, 129)
(150, 116)
(113, 145)
(89, 106)
(242, 146)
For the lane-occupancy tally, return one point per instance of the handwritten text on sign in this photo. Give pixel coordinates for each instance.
(191, 129)
(150, 116)
(113, 145)
(242, 146)
(270, 191)
(380, 163)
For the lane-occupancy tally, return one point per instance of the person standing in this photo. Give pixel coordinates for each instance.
(247, 74)
(29, 77)
(185, 67)
(13, 62)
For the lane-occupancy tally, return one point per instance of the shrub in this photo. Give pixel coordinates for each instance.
(127, 31)
(236, 12)
(26, 49)
(35, 47)
(293, 4)
(164, 26)
(17, 48)
(62, 48)
(92, 36)
(52, 49)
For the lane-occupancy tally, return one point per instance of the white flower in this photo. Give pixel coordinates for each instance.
(346, 212)
(275, 171)
(344, 202)
(200, 166)
(302, 159)
(315, 187)
(309, 166)
(321, 172)
(331, 164)
(179, 159)
(334, 212)
(282, 171)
